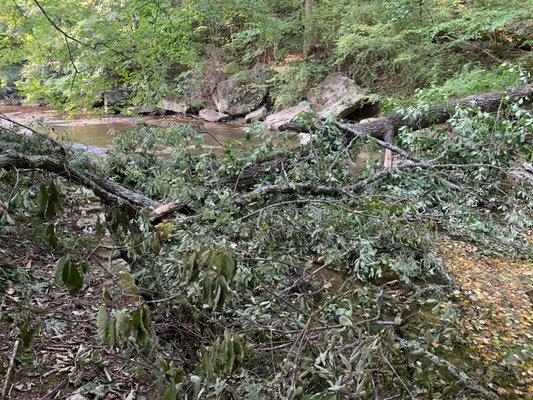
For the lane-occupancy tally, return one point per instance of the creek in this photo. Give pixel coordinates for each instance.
(96, 133)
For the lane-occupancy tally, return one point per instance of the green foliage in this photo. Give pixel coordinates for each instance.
(470, 81)
(292, 83)
(49, 200)
(393, 47)
(117, 328)
(292, 294)
(70, 274)
(380, 240)
(419, 43)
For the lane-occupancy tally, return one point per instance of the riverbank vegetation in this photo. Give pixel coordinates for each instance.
(376, 259)
(67, 53)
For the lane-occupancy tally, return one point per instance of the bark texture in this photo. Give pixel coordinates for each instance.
(385, 127)
(113, 193)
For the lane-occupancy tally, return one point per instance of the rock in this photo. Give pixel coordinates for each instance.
(115, 99)
(146, 110)
(278, 120)
(77, 396)
(304, 138)
(175, 106)
(257, 115)
(181, 107)
(338, 96)
(238, 97)
(213, 116)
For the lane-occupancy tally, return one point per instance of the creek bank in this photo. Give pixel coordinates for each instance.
(235, 100)
(10, 96)
(95, 134)
(247, 97)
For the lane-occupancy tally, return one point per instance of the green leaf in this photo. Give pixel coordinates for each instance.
(51, 236)
(60, 266)
(227, 267)
(111, 338)
(345, 321)
(68, 274)
(141, 324)
(102, 322)
(72, 278)
(171, 393)
(123, 325)
(48, 200)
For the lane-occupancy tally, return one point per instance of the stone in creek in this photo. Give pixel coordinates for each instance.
(238, 97)
(174, 106)
(180, 107)
(338, 96)
(279, 120)
(258, 115)
(212, 115)
(115, 99)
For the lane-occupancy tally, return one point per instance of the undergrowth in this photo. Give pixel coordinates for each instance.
(300, 296)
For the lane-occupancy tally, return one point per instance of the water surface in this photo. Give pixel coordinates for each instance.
(97, 132)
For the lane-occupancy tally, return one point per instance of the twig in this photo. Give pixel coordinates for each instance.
(412, 346)
(7, 383)
(398, 376)
(212, 136)
(395, 149)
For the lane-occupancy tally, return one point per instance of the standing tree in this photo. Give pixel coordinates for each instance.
(308, 27)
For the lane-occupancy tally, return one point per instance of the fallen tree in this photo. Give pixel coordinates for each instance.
(298, 270)
(113, 193)
(386, 127)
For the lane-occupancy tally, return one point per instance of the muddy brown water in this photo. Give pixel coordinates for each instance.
(97, 132)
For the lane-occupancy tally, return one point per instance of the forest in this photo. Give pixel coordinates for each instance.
(266, 199)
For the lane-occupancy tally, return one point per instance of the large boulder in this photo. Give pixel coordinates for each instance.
(338, 96)
(174, 106)
(182, 107)
(116, 99)
(240, 96)
(280, 120)
(257, 115)
(212, 115)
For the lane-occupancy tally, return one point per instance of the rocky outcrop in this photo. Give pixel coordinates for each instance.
(255, 116)
(181, 107)
(213, 116)
(174, 106)
(338, 96)
(279, 120)
(116, 99)
(238, 96)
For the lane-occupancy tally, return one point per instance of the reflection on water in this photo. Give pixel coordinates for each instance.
(98, 132)
(97, 135)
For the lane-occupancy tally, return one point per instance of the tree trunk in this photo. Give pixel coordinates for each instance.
(109, 192)
(437, 114)
(112, 193)
(308, 27)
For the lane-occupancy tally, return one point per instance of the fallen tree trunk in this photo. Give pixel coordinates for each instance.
(109, 192)
(438, 114)
(113, 193)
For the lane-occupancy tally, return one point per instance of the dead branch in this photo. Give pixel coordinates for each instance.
(416, 347)
(9, 373)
